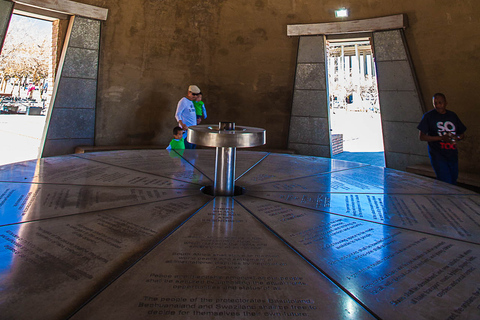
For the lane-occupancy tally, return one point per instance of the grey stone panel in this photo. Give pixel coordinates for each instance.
(309, 103)
(395, 75)
(400, 161)
(399, 101)
(311, 49)
(76, 93)
(276, 168)
(64, 146)
(402, 137)
(73, 112)
(310, 76)
(400, 105)
(5, 11)
(311, 149)
(81, 63)
(389, 46)
(72, 124)
(309, 130)
(85, 34)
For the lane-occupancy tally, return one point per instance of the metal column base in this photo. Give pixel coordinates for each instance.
(226, 138)
(225, 171)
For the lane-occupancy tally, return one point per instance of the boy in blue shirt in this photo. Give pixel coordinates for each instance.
(442, 128)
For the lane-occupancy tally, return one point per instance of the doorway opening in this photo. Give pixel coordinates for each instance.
(26, 82)
(354, 109)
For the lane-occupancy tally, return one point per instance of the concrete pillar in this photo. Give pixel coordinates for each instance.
(400, 102)
(309, 127)
(71, 117)
(6, 8)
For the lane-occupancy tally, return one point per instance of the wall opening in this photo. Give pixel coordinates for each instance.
(354, 108)
(26, 82)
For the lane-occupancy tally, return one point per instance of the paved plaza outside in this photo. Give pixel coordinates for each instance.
(21, 134)
(20, 137)
(362, 136)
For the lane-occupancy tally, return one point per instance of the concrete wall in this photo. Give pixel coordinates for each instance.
(309, 126)
(399, 101)
(71, 120)
(6, 8)
(239, 55)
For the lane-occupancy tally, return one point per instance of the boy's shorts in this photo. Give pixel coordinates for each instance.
(199, 116)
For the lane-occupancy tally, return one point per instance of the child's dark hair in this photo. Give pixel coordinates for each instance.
(176, 130)
(439, 95)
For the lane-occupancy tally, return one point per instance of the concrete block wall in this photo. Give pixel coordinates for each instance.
(71, 120)
(309, 126)
(6, 8)
(400, 101)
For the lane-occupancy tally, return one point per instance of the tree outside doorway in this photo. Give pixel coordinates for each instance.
(25, 88)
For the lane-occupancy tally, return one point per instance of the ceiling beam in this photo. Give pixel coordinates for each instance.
(398, 21)
(65, 7)
(38, 13)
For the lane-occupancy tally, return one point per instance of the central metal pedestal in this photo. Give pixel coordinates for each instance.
(224, 184)
(226, 138)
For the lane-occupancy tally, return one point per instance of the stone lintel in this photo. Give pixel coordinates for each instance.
(398, 21)
(66, 7)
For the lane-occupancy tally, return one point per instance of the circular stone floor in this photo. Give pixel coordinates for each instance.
(130, 235)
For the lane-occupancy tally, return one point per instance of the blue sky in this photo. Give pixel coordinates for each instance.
(40, 27)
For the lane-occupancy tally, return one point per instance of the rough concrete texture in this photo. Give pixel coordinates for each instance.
(309, 103)
(309, 131)
(154, 50)
(311, 50)
(395, 49)
(399, 105)
(238, 53)
(5, 12)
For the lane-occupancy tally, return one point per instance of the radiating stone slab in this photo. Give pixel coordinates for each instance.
(75, 170)
(21, 202)
(204, 160)
(277, 167)
(320, 182)
(444, 215)
(158, 162)
(49, 268)
(394, 181)
(394, 271)
(222, 264)
(365, 179)
(387, 242)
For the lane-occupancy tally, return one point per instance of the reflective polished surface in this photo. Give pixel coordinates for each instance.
(216, 136)
(130, 235)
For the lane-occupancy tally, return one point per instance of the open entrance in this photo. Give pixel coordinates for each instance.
(354, 109)
(26, 74)
(398, 90)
